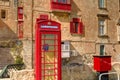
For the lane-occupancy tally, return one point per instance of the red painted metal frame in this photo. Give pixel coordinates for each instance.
(55, 6)
(38, 56)
(102, 63)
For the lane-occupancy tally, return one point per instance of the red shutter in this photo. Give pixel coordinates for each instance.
(80, 28)
(71, 27)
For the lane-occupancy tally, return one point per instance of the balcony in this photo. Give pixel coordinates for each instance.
(60, 7)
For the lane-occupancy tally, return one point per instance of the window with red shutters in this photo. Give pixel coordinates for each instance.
(76, 27)
(81, 28)
(20, 13)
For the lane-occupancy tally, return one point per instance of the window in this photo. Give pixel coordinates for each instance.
(5, 2)
(102, 3)
(3, 14)
(20, 13)
(61, 5)
(62, 1)
(54, 0)
(59, 0)
(76, 27)
(65, 49)
(102, 49)
(102, 27)
(66, 46)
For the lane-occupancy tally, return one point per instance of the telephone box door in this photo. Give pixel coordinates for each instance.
(48, 53)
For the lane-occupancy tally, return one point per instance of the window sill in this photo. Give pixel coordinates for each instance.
(102, 8)
(4, 19)
(103, 36)
(76, 34)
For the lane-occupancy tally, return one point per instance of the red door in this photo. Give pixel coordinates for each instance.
(50, 56)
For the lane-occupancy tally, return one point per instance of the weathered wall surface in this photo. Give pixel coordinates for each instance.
(85, 45)
(22, 75)
(5, 57)
(8, 25)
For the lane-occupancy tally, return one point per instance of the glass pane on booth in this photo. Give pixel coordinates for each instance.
(49, 36)
(49, 72)
(49, 57)
(50, 42)
(49, 78)
(49, 66)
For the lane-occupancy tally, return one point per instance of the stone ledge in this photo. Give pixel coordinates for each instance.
(22, 75)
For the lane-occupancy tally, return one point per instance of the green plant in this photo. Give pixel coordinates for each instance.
(18, 60)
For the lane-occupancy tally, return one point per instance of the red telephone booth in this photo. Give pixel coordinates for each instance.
(48, 50)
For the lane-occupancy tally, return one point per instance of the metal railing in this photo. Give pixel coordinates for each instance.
(118, 75)
(5, 73)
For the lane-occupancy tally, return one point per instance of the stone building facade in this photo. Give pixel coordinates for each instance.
(100, 28)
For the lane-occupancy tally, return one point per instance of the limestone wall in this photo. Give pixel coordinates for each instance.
(22, 75)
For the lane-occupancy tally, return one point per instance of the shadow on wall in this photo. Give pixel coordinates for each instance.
(75, 10)
(5, 32)
(5, 57)
(75, 69)
(78, 67)
(8, 41)
(115, 68)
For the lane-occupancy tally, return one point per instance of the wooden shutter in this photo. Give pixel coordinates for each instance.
(80, 28)
(71, 27)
